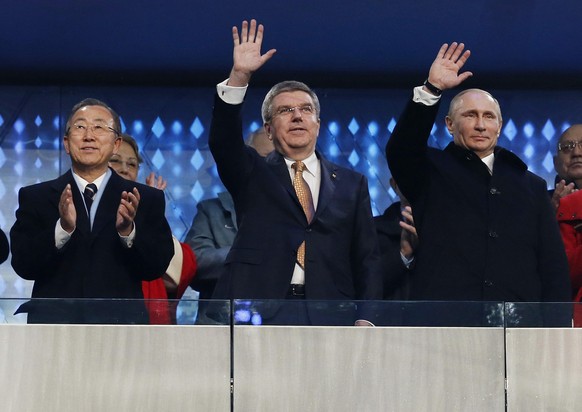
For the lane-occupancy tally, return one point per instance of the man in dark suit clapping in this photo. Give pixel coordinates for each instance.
(90, 233)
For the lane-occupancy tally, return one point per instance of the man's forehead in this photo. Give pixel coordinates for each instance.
(293, 96)
(476, 98)
(573, 133)
(93, 113)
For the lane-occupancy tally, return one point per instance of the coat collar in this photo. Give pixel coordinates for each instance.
(501, 154)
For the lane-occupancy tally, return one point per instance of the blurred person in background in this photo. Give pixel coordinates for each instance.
(182, 268)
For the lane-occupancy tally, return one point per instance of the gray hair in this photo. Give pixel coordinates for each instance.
(286, 86)
(94, 102)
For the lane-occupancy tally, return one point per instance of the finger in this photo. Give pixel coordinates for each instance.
(253, 31)
(150, 180)
(244, 35)
(450, 50)
(265, 57)
(65, 193)
(407, 227)
(464, 76)
(126, 210)
(136, 194)
(463, 59)
(442, 50)
(457, 52)
(235, 36)
(260, 31)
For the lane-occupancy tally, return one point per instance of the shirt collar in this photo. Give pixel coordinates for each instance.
(489, 160)
(311, 163)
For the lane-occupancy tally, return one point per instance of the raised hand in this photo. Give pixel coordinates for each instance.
(444, 71)
(159, 183)
(246, 55)
(67, 210)
(126, 212)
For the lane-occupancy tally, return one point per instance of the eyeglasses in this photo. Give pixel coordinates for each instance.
(117, 161)
(98, 129)
(569, 146)
(288, 111)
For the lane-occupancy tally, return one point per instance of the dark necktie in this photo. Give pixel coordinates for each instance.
(306, 200)
(89, 194)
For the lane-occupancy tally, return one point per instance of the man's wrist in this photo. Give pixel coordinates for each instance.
(432, 88)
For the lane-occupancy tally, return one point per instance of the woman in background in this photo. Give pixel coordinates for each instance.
(182, 268)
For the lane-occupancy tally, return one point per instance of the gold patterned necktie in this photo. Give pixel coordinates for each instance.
(306, 200)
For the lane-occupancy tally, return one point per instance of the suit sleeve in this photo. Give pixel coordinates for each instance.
(153, 247)
(210, 255)
(234, 160)
(365, 255)
(34, 254)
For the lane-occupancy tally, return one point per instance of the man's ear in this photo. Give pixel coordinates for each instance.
(117, 145)
(449, 124)
(267, 127)
(66, 144)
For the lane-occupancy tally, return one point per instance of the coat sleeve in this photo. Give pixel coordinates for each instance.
(406, 151)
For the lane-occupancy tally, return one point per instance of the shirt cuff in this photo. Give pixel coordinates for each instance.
(128, 240)
(61, 235)
(419, 95)
(407, 262)
(231, 94)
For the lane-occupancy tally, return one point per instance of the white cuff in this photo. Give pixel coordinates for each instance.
(61, 235)
(128, 240)
(231, 94)
(421, 96)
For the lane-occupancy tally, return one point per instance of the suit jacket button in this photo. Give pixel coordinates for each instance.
(493, 234)
(488, 283)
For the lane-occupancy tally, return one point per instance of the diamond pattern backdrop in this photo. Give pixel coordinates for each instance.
(171, 126)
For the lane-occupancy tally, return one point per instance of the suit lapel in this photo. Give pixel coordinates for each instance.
(107, 208)
(328, 181)
(276, 162)
(329, 174)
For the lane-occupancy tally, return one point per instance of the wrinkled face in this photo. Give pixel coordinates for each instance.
(568, 161)
(90, 140)
(295, 126)
(125, 162)
(475, 123)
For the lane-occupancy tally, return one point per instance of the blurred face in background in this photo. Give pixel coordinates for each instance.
(125, 162)
(568, 159)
